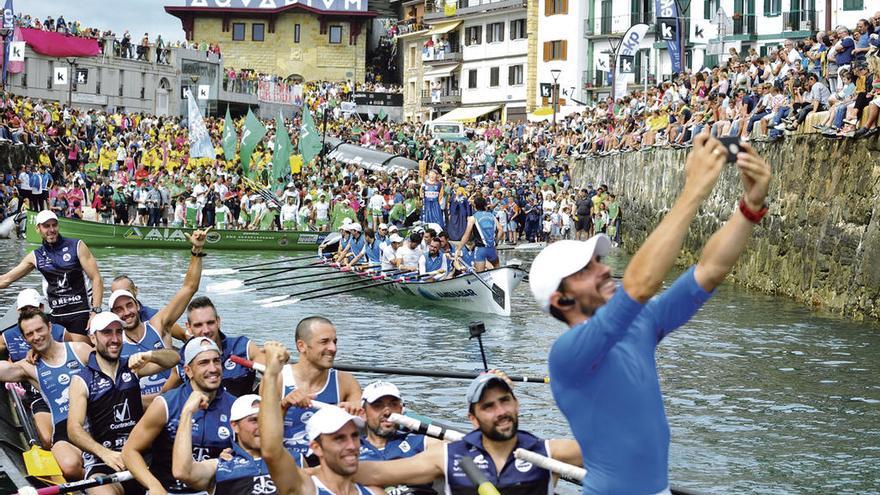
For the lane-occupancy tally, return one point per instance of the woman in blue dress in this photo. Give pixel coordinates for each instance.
(432, 192)
(459, 211)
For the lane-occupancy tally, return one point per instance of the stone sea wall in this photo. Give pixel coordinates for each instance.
(820, 242)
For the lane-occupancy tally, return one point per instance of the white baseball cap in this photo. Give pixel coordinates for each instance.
(330, 419)
(393, 228)
(356, 227)
(244, 406)
(559, 260)
(383, 226)
(117, 294)
(103, 320)
(379, 389)
(28, 297)
(196, 346)
(395, 238)
(346, 221)
(46, 215)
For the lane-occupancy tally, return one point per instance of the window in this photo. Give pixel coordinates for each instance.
(555, 50)
(494, 32)
(555, 7)
(472, 78)
(335, 35)
(258, 31)
(772, 7)
(518, 29)
(473, 35)
(515, 75)
(237, 31)
(853, 4)
(710, 7)
(296, 33)
(494, 76)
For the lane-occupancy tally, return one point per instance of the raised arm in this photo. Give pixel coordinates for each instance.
(198, 475)
(76, 419)
(166, 316)
(651, 263)
(151, 362)
(288, 477)
(141, 440)
(725, 246)
(420, 469)
(90, 266)
(21, 269)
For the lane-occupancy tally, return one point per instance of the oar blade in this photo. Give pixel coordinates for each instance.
(278, 304)
(236, 291)
(268, 300)
(225, 286)
(215, 272)
(41, 462)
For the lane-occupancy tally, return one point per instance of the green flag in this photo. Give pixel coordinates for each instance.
(282, 150)
(309, 139)
(382, 114)
(229, 137)
(251, 136)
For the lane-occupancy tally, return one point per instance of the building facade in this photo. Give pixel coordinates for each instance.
(412, 35)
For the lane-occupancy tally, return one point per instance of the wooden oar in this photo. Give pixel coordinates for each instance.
(76, 486)
(404, 372)
(39, 463)
(214, 272)
(339, 277)
(344, 291)
(232, 285)
(9, 319)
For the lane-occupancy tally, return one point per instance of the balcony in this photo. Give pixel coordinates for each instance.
(433, 56)
(799, 20)
(407, 26)
(435, 10)
(745, 24)
(441, 97)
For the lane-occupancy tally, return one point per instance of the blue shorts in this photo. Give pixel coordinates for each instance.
(483, 254)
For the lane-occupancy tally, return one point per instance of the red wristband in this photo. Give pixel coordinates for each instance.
(751, 215)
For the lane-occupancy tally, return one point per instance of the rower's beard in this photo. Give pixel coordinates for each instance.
(492, 433)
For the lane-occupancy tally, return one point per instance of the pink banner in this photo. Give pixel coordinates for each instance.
(14, 67)
(59, 45)
(274, 92)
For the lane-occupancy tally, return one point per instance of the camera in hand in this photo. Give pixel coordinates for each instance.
(733, 145)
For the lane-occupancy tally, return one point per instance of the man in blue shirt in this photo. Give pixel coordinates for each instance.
(603, 373)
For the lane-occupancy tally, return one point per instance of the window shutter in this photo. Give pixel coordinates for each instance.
(546, 51)
(766, 7)
(548, 7)
(564, 7)
(501, 31)
(564, 50)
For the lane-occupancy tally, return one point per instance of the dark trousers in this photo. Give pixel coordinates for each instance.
(154, 215)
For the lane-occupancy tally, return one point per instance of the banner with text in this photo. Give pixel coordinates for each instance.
(626, 52)
(669, 30)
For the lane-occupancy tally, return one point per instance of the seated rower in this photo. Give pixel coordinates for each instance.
(445, 246)
(382, 233)
(409, 253)
(463, 260)
(494, 413)
(355, 243)
(392, 229)
(433, 263)
(370, 253)
(388, 256)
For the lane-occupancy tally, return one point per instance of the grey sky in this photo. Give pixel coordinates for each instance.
(137, 16)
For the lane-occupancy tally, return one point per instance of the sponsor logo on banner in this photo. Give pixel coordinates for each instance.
(627, 64)
(667, 28)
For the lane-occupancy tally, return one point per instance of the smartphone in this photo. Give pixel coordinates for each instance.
(733, 145)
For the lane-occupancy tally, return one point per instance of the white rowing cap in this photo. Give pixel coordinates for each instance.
(559, 260)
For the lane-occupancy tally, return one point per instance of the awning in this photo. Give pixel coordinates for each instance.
(546, 113)
(442, 71)
(467, 114)
(444, 27)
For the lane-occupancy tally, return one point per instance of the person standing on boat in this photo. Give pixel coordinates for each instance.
(332, 433)
(488, 231)
(106, 396)
(157, 429)
(432, 197)
(494, 413)
(71, 280)
(289, 212)
(313, 377)
(55, 364)
(433, 262)
(603, 371)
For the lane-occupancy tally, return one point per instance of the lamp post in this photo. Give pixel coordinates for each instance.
(555, 73)
(192, 88)
(71, 79)
(5, 33)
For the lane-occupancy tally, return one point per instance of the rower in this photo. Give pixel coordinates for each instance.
(371, 252)
(345, 232)
(211, 432)
(445, 246)
(409, 253)
(392, 229)
(124, 282)
(202, 320)
(488, 230)
(106, 396)
(332, 435)
(155, 333)
(17, 347)
(242, 472)
(382, 233)
(464, 260)
(381, 440)
(56, 362)
(433, 263)
(494, 413)
(388, 255)
(355, 243)
(313, 377)
(73, 284)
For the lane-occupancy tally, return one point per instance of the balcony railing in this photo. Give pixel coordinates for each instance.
(407, 26)
(441, 97)
(642, 18)
(435, 9)
(434, 55)
(744, 24)
(799, 20)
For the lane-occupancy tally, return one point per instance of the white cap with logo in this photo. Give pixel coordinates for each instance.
(379, 389)
(559, 260)
(44, 216)
(330, 419)
(196, 346)
(244, 406)
(103, 320)
(28, 297)
(117, 294)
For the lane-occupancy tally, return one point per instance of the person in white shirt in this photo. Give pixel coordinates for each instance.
(388, 252)
(24, 187)
(322, 213)
(376, 206)
(410, 253)
(289, 212)
(258, 209)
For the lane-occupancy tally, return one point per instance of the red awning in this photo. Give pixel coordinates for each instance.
(59, 45)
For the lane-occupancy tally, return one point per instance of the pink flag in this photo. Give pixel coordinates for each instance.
(13, 67)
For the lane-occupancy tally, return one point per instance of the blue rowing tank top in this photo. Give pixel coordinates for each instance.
(114, 403)
(517, 477)
(433, 262)
(295, 439)
(323, 490)
(211, 433)
(67, 288)
(484, 222)
(373, 251)
(150, 341)
(244, 474)
(467, 256)
(55, 382)
(400, 446)
(18, 347)
(355, 246)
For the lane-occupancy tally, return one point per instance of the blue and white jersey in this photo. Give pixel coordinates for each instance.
(400, 446)
(517, 477)
(323, 490)
(211, 433)
(18, 347)
(467, 256)
(428, 263)
(67, 288)
(343, 242)
(243, 474)
(484, 223)
(356, 245)
(55, 383)
(295, 438)
(114, 403)
(372, 251)
(149, 342)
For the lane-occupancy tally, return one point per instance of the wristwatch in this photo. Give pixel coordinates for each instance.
(97, 309)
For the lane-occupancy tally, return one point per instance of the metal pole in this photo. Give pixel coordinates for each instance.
(555, 102)
(70, 77)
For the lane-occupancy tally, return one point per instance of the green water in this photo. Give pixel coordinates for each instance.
(763, 395)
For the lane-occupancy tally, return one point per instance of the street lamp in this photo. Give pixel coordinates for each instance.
(555, 73)
(71, 78)
(192, 89)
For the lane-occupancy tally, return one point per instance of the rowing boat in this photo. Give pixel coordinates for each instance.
(97, 234)
(465, 292)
